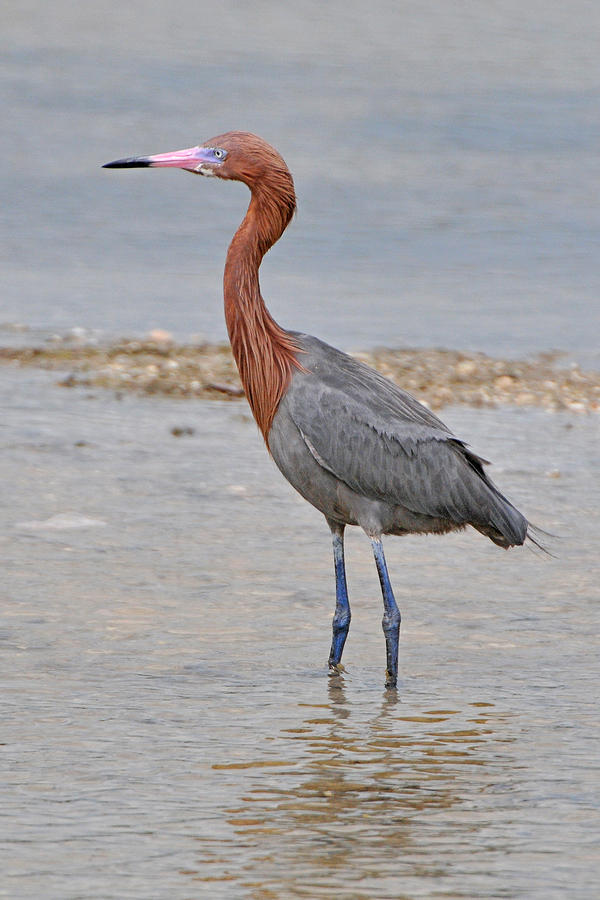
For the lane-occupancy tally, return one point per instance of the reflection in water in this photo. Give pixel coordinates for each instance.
(356, 803)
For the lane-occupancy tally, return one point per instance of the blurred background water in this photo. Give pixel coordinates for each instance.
(445, 157)
(168, 728)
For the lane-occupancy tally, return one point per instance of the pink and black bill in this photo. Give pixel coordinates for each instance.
(192, 159)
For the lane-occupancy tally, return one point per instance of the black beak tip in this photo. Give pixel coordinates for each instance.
(131, 162)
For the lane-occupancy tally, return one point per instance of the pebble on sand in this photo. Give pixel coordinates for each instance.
(436, 377)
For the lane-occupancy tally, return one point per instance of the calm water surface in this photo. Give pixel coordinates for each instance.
(445, 157)
(169, 729)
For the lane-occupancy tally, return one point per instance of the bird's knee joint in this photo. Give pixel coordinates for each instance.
(391, 621)
(341, 623)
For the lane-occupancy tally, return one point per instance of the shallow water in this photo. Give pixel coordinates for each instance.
(169, 727)
(445, 157)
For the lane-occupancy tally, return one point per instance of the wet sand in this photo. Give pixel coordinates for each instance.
(436, 377)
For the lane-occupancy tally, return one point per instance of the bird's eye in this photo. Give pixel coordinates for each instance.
(219, 154)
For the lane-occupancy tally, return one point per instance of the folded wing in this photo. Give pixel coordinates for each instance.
(384, 445)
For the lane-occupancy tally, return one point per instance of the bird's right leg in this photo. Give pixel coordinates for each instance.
(341, 618)
(391, 615)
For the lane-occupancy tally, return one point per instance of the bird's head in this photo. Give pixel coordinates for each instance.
(236, 156)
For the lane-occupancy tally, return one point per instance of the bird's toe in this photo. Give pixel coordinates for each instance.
(336, 668)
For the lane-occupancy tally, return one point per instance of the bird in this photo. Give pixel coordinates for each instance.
(360, 449)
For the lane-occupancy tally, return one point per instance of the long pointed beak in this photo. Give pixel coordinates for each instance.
(192, 159)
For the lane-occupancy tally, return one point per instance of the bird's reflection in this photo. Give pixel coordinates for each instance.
(366, 792)
(337, 696)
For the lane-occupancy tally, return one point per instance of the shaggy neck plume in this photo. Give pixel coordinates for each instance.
(264, 352)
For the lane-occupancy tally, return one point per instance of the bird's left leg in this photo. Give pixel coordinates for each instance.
(341, 618)
(391, 615)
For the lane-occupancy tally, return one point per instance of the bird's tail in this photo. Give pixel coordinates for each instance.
(540, 538)
(504, 524)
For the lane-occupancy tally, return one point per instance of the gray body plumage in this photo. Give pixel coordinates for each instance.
(364, 452)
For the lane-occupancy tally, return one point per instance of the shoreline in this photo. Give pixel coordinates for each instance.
(436, 377)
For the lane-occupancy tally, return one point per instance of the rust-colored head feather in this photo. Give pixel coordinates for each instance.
(264, 352)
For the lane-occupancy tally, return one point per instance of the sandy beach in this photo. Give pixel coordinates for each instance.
(437, 377)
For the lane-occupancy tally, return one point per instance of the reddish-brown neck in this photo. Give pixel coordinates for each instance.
(264, 352)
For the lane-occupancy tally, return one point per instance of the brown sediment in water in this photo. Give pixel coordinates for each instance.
(436, 377)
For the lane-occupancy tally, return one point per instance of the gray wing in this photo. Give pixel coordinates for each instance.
(385, 445)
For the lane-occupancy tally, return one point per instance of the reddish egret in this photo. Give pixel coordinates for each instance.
(360, 449)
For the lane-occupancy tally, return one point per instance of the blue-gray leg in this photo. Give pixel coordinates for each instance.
(391, 615)
(341, 618)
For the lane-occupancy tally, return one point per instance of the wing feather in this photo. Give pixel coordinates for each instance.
(384, 445)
